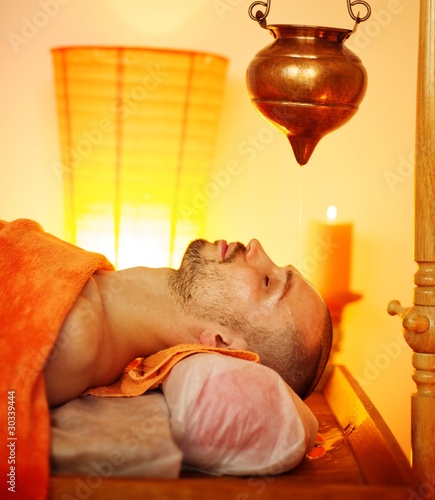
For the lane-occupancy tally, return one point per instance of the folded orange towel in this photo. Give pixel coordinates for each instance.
(145, 374)
(40, 278)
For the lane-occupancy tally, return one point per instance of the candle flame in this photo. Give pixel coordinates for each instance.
(331, 213)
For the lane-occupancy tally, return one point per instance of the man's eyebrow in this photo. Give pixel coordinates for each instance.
(287, 284)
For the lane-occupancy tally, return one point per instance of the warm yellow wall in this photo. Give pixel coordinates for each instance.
(365, 168)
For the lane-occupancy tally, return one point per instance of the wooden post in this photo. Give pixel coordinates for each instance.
(423, 344)
(419, 320)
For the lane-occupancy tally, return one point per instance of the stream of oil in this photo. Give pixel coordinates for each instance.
(300, 232)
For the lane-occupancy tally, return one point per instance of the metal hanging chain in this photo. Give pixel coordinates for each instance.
(260, 16)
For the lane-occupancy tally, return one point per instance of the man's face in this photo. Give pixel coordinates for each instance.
(219, 282)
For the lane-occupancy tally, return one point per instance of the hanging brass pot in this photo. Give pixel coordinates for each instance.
(307, 82)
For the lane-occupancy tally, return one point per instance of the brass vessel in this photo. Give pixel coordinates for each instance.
(307, 83)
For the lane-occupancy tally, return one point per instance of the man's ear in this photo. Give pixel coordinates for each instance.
(211, 338)
(222, 338)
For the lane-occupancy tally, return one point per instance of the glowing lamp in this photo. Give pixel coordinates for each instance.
(138, 129)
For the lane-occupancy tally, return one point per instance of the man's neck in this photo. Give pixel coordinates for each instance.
(141, 313)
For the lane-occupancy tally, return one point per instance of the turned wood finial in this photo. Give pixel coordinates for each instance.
(412, 319)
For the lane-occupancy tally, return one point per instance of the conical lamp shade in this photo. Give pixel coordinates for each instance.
(138, 130)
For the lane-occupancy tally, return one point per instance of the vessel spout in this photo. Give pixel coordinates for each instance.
(303, 148)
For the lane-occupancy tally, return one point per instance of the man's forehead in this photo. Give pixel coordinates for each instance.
(305, 301)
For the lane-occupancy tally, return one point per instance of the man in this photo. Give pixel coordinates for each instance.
(227, 296)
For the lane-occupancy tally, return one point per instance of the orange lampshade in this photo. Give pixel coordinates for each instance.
(138, 130)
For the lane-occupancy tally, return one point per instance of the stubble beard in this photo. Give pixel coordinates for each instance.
(200, 288)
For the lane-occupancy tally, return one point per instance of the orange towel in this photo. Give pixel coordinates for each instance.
(145, 374)
(40, 278)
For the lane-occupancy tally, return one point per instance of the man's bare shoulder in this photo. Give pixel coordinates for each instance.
(72, 364)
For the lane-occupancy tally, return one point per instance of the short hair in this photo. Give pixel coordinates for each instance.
(287, 353)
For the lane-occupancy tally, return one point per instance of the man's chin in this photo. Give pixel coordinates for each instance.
(193, 252)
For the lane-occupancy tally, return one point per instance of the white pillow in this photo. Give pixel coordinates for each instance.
(231, 416)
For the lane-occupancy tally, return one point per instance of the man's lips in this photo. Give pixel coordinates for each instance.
(230, 249)
(224, 248)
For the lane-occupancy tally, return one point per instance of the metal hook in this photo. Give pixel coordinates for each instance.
(357, 18)
(259, 16)
(344, 36)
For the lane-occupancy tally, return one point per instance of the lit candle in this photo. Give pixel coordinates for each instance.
(329, 256)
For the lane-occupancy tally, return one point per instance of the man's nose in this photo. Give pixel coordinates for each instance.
(257, 257)
(256, 254)
(254, 250)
